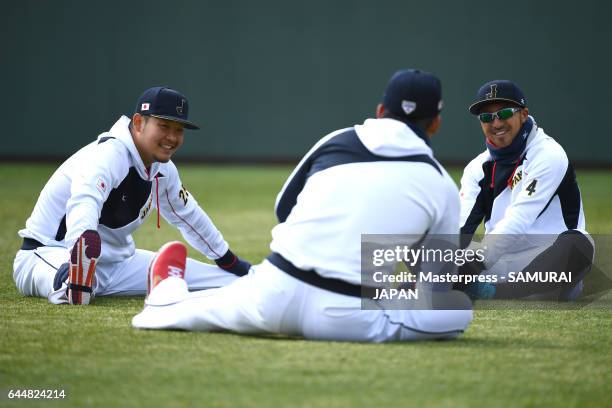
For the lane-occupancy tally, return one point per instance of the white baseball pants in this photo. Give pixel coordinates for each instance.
(34, 271)
(270, 301)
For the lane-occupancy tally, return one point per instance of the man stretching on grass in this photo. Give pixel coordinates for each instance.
(375, 178)
(77, 243)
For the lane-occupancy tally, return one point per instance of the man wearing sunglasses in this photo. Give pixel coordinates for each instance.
(524, 189)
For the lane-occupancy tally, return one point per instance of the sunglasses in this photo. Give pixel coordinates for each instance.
(502, 114)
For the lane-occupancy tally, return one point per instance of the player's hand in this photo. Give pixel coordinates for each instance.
(231, 263)
(468, 268)
(471, 268)
(61, 276)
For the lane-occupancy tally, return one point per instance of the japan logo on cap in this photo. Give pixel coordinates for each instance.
(179, 109)
(144, 106)
(493, 92)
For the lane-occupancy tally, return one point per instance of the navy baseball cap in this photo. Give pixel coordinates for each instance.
(499, 90)
(413, 94)
(165, 103)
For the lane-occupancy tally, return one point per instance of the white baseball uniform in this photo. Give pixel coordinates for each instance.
(525, 206)
(375, 178)
(106, 187)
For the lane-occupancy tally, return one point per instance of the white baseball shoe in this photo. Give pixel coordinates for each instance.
(83, 259)
(169, 261)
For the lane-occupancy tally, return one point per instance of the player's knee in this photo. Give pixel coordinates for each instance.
(582, 243)
(575, 244)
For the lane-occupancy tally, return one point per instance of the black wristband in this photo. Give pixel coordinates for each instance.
(226, 261)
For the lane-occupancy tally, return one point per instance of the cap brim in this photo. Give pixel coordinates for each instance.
(475, 107)
(187, 124)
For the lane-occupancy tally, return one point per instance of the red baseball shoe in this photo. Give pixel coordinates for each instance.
(169, 261)
(83, 259)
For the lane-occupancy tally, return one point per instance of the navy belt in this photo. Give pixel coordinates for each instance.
(314, 279)
(29, 244)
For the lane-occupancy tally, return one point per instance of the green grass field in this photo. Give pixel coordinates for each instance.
(506, 358)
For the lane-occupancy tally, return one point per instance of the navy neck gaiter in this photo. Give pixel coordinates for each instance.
(511, 153)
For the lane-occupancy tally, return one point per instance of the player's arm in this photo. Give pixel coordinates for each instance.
(471, 200)
(443, 234)
(180, 208)
(95, 174)
(287, 198)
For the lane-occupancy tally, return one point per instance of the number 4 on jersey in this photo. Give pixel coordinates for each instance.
(531, 187)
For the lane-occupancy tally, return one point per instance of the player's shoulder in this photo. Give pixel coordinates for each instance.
(545, 150)
(479, 159)
(104, 149)
(107, 154)
(474, 168)
(109, 146)
(332, 139)
(113, 149)
(447, 180)
(449, 197)
(432, 177)
(449, 184)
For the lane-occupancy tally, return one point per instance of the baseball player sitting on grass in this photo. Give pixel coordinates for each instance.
(525, 190)
(376, 178)
(77, 243)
